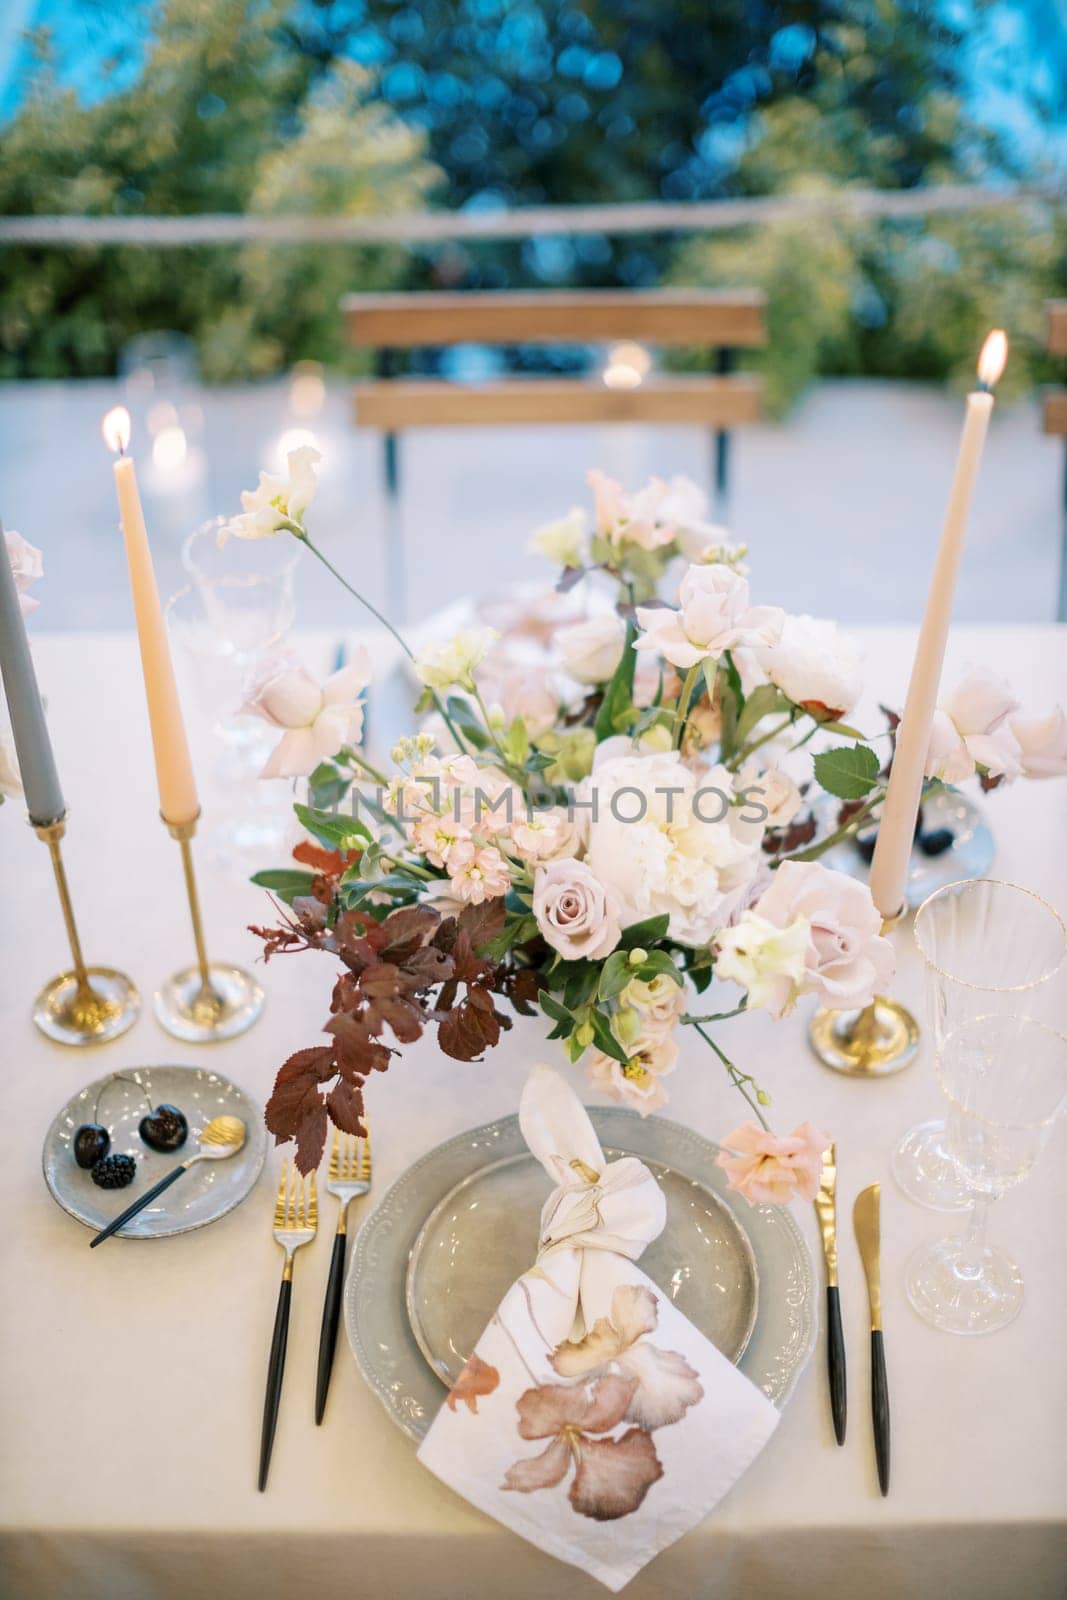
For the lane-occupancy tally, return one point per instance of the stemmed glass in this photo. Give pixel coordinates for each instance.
(989, 949)
(1005, 1080)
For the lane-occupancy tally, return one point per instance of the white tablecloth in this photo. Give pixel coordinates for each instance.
(132, 1377)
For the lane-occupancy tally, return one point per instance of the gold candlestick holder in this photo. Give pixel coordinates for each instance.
(211, 1000)
(88, 1005)
(870, 1041)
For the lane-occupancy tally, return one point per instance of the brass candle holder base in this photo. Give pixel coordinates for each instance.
(211, 1000)
(87, 1005)
(870, 1041)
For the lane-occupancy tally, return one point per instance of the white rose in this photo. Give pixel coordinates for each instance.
(451, 662)
(1042, 744)
(847, 960)
(277, 503)
(770, 963)
(773, 789)
(10, 779)
(26, 567)
(576, 913)
(591, 650)
(972, 728)
(562, 541)
(714, 616)
(816, 666)
(666, 841)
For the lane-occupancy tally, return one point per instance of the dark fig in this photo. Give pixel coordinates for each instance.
(91, 1144)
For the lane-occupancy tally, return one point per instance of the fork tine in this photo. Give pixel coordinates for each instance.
(335, 1156)
(350, 1157)
(279, 1203)
(313, 1205)
(365, 1163)
(294, 1195)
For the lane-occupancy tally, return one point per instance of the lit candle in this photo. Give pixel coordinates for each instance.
(178, 800)
(40, 780)
(892, 853)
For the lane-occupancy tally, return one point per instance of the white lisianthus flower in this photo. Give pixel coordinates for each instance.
(847, 961)
(591, 650)
(451, 662)
(815, 665)
(664, 840)
(576, 913)
(972, 728)
(770, 963)
(318, 719)
(27, 566)
(562, 541)
(714, 615)
(1042, 744)
(637, 1082)
(659, 1001)
(774, 789)
(277, 503)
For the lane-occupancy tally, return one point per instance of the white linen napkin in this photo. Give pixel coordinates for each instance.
(593, 1418)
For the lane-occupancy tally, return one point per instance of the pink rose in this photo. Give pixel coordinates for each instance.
(847, 961)
(972, 728)
(319, 719)
(772, 1171)
(714, 615)
(575, 913)
(26, 566)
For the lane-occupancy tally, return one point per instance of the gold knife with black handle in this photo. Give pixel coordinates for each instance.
(866, 1219)
(826, 1211)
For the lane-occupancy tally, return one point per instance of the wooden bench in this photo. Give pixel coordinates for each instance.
(1055, 422)
(391, 324)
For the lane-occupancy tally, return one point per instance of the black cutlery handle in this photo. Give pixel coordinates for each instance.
(331, 1317)
(880, 1408)
(275, 1374)
(835, 1362)
(138, 1205)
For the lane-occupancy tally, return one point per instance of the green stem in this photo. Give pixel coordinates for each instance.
(682, 713)
(814, 851)
(717, 1016)
(738, 1078)
(365, 603)
(354, 759)
(743, 754)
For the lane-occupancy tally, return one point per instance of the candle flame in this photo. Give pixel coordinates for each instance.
(992, 359)
(116, 429)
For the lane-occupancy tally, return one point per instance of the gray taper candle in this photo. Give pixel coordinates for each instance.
(40, 780)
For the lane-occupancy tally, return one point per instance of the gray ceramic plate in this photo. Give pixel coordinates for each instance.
(970, 855)
(483, 1234)
(203, 1195)
(380, 1331)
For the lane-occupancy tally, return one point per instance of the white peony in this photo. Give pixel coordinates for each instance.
(277, 503)
(770, 963)
(847, 961)
(665, 841)
(562, 541)
(451, 662)
(972, 728)
(714, 616)
(591, 650)
(815, 665)
(1042, 744)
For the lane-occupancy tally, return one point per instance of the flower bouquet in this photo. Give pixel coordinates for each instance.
(594, 820)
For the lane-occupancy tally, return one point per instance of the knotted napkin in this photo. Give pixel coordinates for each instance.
(593, 1418)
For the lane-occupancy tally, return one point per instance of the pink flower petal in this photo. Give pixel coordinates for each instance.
(294, 756)
(540, 1472)
(593, 1407)
(666, 1386)
(614, 1475)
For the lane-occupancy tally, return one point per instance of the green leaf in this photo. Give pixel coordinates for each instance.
(658, 963)
(517, 743)
(729, 705)
(468, 724)
(328, 786)
(401, 889)
(614, 975)
(764, 701)
(287, 883)
(619, 695)
(604, 1039)
(580, 984)
(649, 932)
(843, 729)
(847, 771)
(338, 833)
(559, 1014)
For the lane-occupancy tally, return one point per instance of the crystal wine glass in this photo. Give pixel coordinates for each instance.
(989, 948)
(1005, 1080)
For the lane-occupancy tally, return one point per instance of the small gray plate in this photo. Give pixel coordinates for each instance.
(380, 1330)
(202, 1195)
(483, 1234)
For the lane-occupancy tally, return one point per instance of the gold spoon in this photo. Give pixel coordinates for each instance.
(222, 1137)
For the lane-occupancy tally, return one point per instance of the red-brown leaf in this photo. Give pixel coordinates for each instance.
(345, 1105)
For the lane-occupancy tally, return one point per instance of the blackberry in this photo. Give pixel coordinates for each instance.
(936, 842)
(114, 1172)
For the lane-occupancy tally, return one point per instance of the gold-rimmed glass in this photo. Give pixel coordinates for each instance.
(989, 949)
